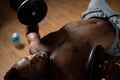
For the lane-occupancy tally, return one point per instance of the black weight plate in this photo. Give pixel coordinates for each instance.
(30, 13)
(14, 4)
(95, 61)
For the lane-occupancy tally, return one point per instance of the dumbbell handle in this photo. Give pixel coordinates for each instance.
(32, 28)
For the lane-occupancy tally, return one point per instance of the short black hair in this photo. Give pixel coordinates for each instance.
(12, 74)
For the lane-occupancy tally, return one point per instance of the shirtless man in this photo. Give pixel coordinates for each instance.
(62, 55)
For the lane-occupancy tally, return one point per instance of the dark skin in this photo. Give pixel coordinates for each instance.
(62, 55)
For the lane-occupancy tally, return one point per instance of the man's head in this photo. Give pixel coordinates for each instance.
(28, 68)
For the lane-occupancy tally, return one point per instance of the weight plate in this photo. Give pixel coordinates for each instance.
(30, 13)
(95, 61)
(14, 4)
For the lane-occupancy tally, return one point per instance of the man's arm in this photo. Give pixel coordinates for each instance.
(33, 37)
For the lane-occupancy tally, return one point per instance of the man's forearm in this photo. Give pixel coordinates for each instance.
(33, 37)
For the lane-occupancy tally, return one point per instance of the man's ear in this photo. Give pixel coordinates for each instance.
(95, 63)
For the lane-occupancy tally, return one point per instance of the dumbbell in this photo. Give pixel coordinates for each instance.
(95, 63)
(29, 12)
